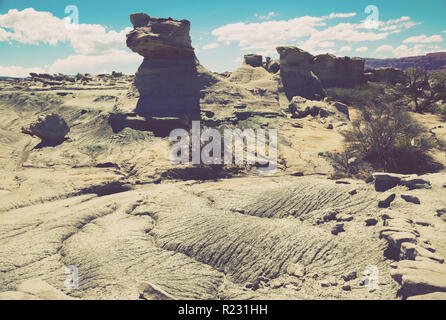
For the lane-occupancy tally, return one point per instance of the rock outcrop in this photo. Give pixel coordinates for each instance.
(300, 107)
(306, 75)
(49, 128)
(167, 79)
(296, 75)
(338, 71)
(35, 289)
(254, 60)
(387, 75)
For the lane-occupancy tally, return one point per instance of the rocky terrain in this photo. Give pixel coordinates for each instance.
(86, 181)
(431, 62)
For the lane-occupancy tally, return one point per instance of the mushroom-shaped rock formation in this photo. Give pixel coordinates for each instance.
(167, 79)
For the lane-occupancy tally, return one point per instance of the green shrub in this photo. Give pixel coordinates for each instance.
(387, 137)
(358, 96)
(96, 148)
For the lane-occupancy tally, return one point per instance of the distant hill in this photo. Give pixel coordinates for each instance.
(8, 78)
(430, 62)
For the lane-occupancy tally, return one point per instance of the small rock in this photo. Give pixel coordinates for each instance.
(330, 215)
(441, 213)
(349, 277)
(344, 218)
(386, 199)
(149, 291)
(329, 126)
(325, 283)
(370, 179)
(297, 125)
(332, 281)
(338, 229)
(371, 222)
(352, 161)
(353, 192)
(414, 184)
(411, 199)
(422, 223)
(296, 270)
(387, 214)
(386, 181)
(347, 287)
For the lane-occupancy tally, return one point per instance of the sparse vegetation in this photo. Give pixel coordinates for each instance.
(360, 95)
(425, 90)
(96, 148)
(387, 137)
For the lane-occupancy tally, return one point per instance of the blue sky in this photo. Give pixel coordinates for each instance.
(36, 36)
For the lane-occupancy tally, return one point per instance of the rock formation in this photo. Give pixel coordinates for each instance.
(296, 75)
(167, 79)
(50, 128)
(388, 75)
(300, 107)
(338, 71)
(254, 60)
(306, 75)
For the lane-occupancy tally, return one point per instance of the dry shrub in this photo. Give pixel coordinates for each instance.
(387, 137)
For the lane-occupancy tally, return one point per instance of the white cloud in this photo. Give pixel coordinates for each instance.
(341, 32)
(18, 71)
(345, 49)
(4, 35)
(97, 48)
(326, 44)
(384, 48)
(341, 15)
(267, 16)
(424, 39)
(397, 25)
(210, 46)
(268, 34)
(389, 28)
(33, 27)
(117, 60)
(362, 49)
(306, 32)
(402, 19)
(405, 51)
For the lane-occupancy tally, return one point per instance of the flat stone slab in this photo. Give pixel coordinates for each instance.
(420, 277)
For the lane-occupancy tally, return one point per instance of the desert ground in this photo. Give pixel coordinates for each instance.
(108, 200)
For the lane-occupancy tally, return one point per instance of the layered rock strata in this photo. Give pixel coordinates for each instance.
(167, 79)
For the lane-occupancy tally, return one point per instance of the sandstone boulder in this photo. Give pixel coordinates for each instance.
(254, 60)
(274, 66)
(49, 128)
(167, 79)
(420, 277)
(299, 107)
